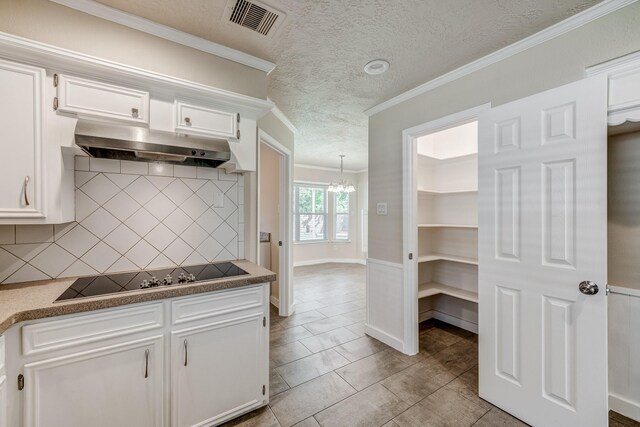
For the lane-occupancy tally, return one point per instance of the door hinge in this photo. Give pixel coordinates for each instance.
(238, 118)
(410, 256)
(607, 289)
(264, 389)
(20, 382)
(238, 134)
(55, 80)
(264, 321)
(55, 103)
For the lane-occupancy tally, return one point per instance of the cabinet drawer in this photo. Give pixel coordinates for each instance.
(205, 121)
(88, 98)
(77, 330)
(218, 304)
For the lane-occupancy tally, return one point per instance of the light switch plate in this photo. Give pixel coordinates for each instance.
(218, 199)
(381, 208)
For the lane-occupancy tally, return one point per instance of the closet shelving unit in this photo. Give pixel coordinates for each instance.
(447, 219)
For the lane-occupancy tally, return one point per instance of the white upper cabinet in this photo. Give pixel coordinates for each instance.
(198, 120)
(21, 167)
(93, 99)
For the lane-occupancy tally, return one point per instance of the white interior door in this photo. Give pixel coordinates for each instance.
(543, 231)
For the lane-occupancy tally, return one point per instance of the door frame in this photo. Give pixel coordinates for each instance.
(286, 304)
(410, 214)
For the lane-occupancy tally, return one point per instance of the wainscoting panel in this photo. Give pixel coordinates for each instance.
(385, 303)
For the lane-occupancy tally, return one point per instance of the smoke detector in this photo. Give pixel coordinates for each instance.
(255, 16)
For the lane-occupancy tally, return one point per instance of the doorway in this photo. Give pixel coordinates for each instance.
(274, 219)
(440, 182)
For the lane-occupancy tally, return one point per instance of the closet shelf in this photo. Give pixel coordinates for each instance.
(444, 257)
(447, 226)
(435, 288)
(445, 193)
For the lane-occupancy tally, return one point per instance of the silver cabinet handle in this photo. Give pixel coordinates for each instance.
(146, 363)
(186, 353)
(26, 187)
(187, 120)
(134, 113)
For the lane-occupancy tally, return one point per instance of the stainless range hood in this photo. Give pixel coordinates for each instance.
(125, 142)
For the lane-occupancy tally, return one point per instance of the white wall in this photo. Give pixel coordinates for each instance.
(310, 253)
(269, 220)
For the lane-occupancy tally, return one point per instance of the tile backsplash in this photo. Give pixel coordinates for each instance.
(131, 216)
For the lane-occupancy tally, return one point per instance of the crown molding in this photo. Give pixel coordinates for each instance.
(284, 119)
(601, 9)
(67, 61)
(631, 60)
(146, 26)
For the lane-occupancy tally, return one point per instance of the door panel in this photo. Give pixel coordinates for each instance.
(543, 219)
(21, 143)
(113, 386)
(217, 371)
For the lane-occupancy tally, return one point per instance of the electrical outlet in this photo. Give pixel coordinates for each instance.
(381, 208)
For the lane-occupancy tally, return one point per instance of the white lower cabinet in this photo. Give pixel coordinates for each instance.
(217, 371)
(118, 385)
(191, 361)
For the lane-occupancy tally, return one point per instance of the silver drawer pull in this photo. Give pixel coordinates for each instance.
(134, 113)
(146, 363)
(26, 187)
(186, 353)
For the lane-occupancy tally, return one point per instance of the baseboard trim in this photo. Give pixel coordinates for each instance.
(330, 260)
(624, 407)
(447, 318)
(384, 337)
(275, 302)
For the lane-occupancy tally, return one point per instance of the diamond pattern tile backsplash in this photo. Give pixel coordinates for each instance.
(131, 216)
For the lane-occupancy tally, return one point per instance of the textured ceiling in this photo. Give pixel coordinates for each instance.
(321, 49)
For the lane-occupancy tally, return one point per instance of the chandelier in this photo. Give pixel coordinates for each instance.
(342, 186)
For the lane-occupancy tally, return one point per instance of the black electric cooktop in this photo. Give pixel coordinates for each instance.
(123, 282)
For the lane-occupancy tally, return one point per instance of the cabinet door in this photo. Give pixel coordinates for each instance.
(197, 120)
(21, 143)
(88, 98)
(119, 385)
(218, 371)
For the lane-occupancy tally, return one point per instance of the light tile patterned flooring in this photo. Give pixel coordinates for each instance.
(325, 371)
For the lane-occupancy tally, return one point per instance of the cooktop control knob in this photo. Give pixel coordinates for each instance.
(167, 280)
(144, 284)
(191, 278)
(182, 278)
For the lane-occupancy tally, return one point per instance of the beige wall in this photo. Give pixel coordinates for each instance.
(310, 252)
(553, 63)
(269, 220)
(51, 23)
(624, 210)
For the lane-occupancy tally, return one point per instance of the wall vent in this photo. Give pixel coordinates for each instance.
(255, 16)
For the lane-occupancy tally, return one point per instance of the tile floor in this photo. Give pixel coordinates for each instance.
(325, 371)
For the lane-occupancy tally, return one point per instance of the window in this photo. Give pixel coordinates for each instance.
(341, 216)
(310, 212)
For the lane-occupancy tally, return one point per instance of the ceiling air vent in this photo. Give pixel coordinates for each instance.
(255, 16)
